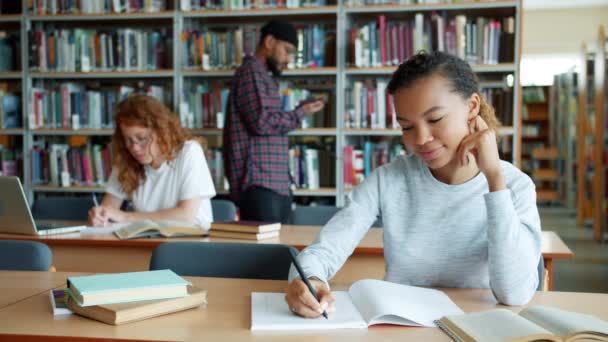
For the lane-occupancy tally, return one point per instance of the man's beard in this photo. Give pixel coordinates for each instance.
(273, 66)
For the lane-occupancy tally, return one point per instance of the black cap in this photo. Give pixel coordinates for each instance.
(281, 30)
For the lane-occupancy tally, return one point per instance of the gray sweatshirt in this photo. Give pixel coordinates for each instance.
(437, 234)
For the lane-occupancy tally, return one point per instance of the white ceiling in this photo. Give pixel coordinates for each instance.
(544, 4)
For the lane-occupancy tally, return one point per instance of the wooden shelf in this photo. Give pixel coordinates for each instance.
(12, 131)
(315, 192)
(297, 132)
(388, 70)
(502, 131)
(546, 195)
(10, 18)
(325, 71)
(71, 132)
(545, 175)
(10, 75)
(101, 74)
(430, 7)
(262, 12)
(550, 153)
(103, 16)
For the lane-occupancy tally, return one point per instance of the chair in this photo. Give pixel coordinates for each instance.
(223, 210)
(224, 259)
(19, 255)
(317, 215)
(541, 274)
(62, 208)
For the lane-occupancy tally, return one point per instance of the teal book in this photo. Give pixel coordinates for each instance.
(126, 287)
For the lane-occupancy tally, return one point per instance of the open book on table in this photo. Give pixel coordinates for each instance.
(149, 228)
(366, 303)
(536, 323)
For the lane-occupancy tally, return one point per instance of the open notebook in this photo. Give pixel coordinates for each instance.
(536, 323)
(367, 302)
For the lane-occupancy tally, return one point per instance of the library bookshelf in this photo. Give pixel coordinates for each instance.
(177, 75)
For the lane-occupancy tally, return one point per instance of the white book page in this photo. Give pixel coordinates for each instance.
(108, 230)
(498, 325)
(269, 311)
(385, 302)
(564, 323)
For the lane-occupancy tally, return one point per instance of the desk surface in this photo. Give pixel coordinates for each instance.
(228, 316)
(297, 236)
(16, 286)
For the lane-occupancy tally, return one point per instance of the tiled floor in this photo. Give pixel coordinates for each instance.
(588, 271)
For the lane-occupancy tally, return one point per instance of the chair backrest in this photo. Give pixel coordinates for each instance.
(224, 259)
(17, 255)
(317, 215)
(223, 210)
(62, 208)
(541, 274)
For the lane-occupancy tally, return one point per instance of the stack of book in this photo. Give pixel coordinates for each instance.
(247, 230)
(119, 298)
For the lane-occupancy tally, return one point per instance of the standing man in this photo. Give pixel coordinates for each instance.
(256, 149)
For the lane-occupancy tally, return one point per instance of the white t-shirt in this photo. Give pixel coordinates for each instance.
(185, 177)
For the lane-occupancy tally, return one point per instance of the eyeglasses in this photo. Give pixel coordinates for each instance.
(141, 142)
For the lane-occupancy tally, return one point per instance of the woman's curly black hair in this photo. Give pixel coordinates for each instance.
(458, 72)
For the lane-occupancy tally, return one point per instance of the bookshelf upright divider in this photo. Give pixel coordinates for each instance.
(500, 78)
(599, 89)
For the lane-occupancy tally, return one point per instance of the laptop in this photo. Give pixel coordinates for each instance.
(15, 214)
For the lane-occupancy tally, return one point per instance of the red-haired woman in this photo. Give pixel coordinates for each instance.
(158, 165)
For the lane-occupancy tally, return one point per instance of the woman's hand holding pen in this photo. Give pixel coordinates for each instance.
(303, 303)
(481, 144)
(101, 216)
(97, 217)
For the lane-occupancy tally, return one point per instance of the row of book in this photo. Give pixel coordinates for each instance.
(360, 162)
(197, 5)
(502, 101)
(9, 43)
(10, 108)
(10, 161)
(403, 2)
(477, 40)
(204, 106)
(530, 130)
(71, 105)
(311, 167)
(293, 97)
(85, 50)
(43, 7)
(224, 48)
(369, 106)
(62, 165)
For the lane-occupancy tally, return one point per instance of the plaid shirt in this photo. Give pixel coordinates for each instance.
(256, 149)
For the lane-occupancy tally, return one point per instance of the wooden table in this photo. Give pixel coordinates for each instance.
(16, 286)
(228, 317)
(106, 253)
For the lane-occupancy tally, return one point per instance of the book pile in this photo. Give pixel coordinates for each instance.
(247, 230)
(119, 298)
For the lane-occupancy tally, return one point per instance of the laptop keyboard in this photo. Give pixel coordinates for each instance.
(47, 226)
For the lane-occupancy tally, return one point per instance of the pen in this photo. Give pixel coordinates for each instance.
(304, 278)
(97, 206)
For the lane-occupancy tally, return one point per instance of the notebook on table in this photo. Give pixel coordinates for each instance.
(15, 214)
(366, 303)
